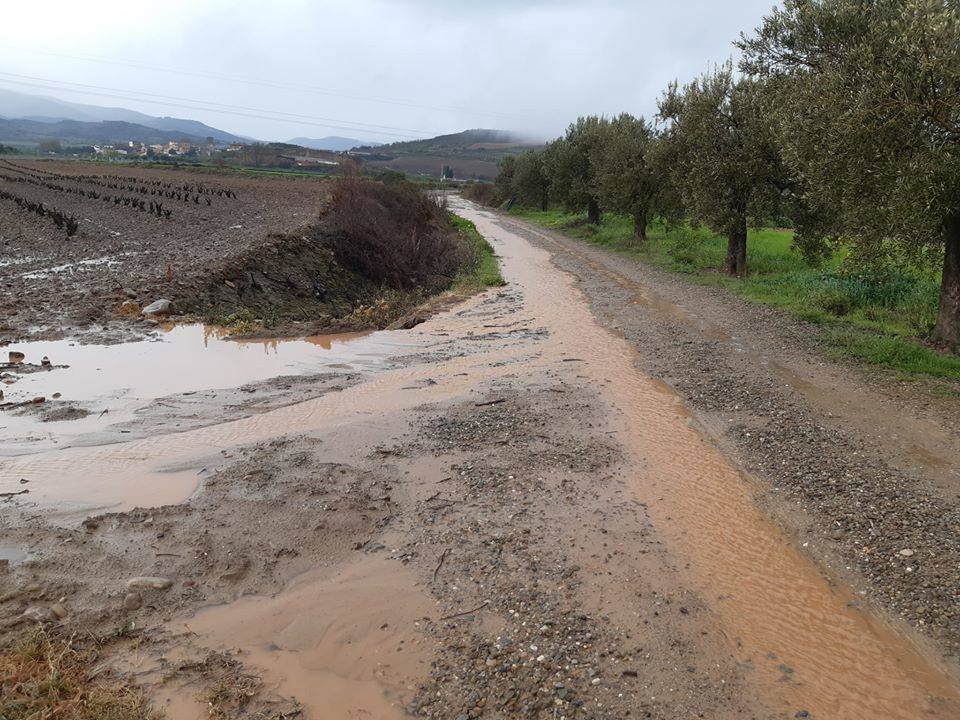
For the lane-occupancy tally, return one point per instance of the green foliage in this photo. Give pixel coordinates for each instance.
(625, 177)
(531, 184)
(867, 110)
(892, 352)
(504, 182)
(484, 270)
(568, 165)
(873, 315)
(722, 156)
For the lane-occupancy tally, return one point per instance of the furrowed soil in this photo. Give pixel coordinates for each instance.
(594, 493)
(231, 243)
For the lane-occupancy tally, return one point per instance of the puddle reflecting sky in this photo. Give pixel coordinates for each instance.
(184, 358)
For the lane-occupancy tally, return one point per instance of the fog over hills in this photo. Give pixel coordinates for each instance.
(334, 143)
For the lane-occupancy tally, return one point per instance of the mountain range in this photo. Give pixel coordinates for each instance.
(25, 115)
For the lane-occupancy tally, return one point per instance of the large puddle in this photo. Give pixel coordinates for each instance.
(111, 383)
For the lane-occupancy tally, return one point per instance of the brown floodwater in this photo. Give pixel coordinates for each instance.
(113, 382)
(805, 640)
(346, 644)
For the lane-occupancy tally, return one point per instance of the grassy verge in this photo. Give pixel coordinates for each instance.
(46, 677)
(875, 320)
(485, 270)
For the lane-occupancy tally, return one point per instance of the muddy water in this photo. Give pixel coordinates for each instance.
(167, 469)
(807, 646)
(112, 382)
(347, 644)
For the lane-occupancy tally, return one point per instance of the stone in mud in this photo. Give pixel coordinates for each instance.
(59, 610)
(152, 583)
(132, 601)
(39, 614)
(159, 307)
(412, 321)
(15, 357)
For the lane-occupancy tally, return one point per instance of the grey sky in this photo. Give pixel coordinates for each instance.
(373, 69)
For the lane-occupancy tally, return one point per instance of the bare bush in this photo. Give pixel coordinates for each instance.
(392, 234)
(483, 193)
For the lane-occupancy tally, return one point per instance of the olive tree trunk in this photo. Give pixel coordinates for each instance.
(640, 225)
(947, 329)
(593, 211)
(736, 262)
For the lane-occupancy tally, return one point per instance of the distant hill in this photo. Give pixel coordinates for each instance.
(50, 110)
(334, 143)
(479, 143)
(73, 132)
(473, 154)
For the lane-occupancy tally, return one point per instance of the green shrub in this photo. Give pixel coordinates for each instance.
(833, 300)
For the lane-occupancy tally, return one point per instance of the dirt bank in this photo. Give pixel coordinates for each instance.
(508, 520)
(234, 249)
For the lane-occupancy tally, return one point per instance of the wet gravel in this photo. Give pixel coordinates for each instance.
(503, 545)
(892, 534)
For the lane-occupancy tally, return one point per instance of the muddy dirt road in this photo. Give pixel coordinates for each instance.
(504, 517)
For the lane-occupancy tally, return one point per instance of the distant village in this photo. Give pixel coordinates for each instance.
(133, 148)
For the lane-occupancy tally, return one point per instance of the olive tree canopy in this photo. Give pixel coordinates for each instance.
(531, 186)
(625, 177)
(569, 167)
(868, 114)
(723, 159)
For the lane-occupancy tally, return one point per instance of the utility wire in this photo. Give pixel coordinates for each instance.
(284, 85)
(220, 111)
(151, 96)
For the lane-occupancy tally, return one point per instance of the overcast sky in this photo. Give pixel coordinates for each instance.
(371, 69)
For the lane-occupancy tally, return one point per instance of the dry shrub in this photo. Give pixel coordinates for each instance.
(392, 234)
(45, 677)
(483, 193)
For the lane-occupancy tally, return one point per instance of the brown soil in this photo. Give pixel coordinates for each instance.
(245, 250)
(511, 521)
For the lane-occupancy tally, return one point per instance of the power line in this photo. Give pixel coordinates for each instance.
(221, 108)
(284, 85)
(150, 97)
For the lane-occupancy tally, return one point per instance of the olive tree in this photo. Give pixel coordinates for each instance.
(504, 180)
(868, 113)
(567, 161)
(531, 185)
(723, 160)
(625, 177)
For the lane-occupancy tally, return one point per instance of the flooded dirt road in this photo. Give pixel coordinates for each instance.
(504, 518)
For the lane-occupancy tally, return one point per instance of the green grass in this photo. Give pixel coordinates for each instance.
(880, 321)
(484, 271)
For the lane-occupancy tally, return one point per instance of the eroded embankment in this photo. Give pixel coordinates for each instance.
(293, 256)
(510, 522)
